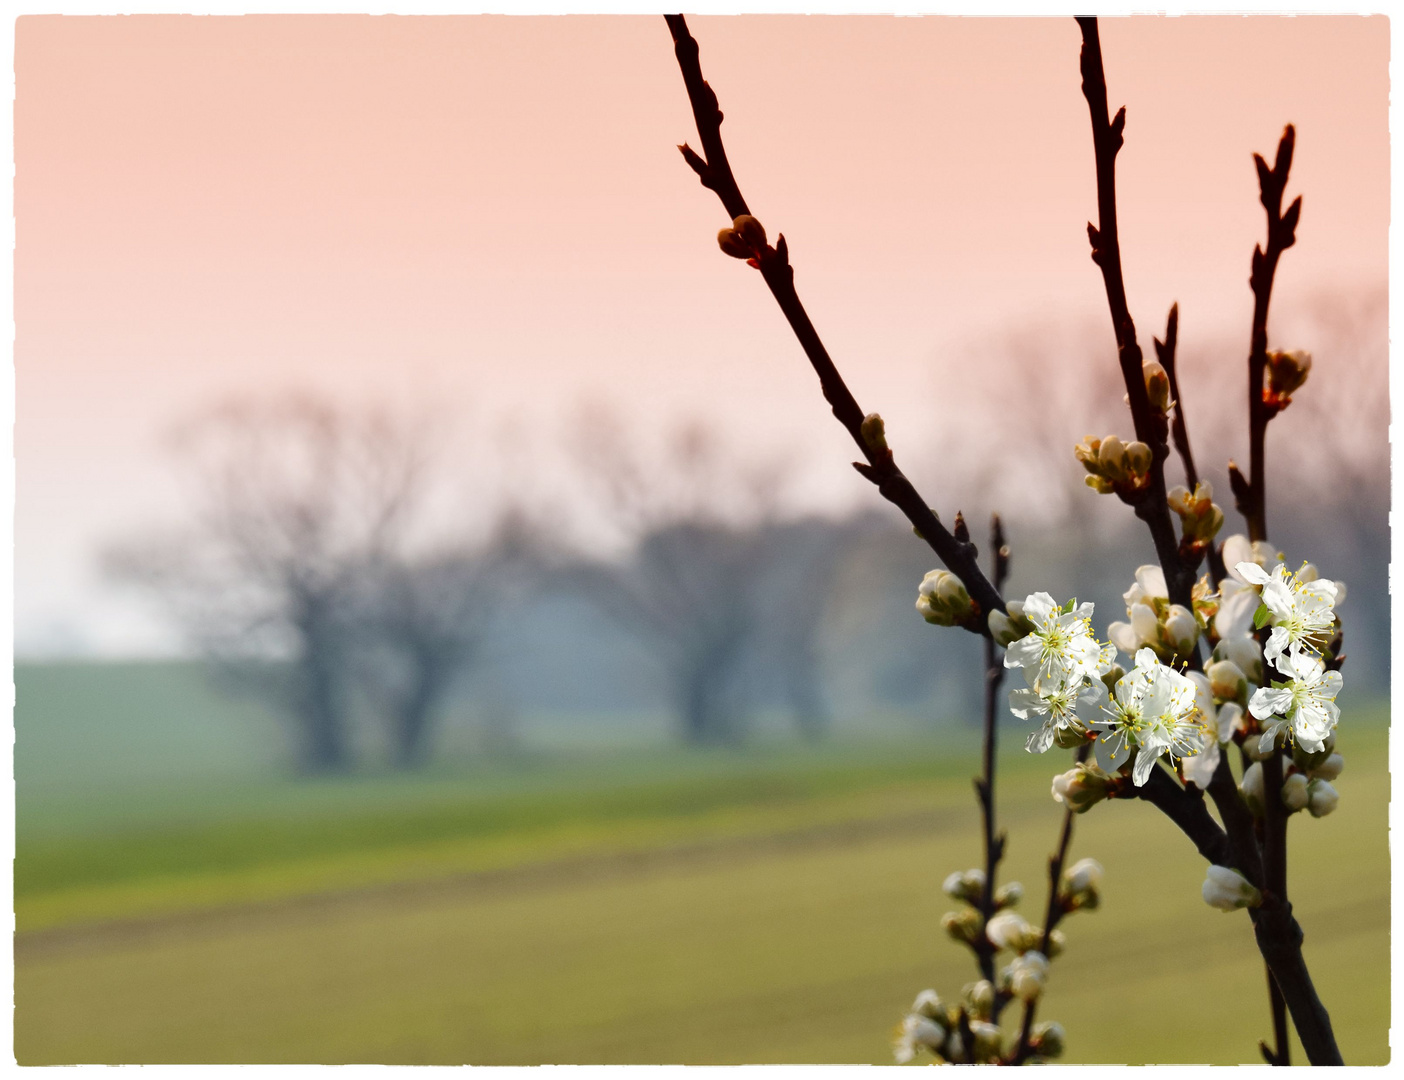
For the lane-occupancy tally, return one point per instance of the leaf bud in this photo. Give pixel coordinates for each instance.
(1229, 890)
(1321, 798)
(1294, 792)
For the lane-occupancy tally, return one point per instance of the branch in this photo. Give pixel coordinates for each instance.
(1281, 234)
(1052, 917)
(1150, 424)
(984, 785)
(957, 553)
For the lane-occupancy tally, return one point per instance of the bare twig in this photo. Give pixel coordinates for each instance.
(1251, 494)
(714, 170)
(1150, 424)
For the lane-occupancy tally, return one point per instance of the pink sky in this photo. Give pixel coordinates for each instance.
(489, 214)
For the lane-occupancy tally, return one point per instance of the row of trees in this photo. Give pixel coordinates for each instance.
(309, 573)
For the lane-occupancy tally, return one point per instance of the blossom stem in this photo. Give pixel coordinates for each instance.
(880, 468)
(984, 785)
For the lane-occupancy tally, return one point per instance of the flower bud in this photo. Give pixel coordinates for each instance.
(874, 433)
(1229, 890)
(1113, 675)
(733, 245)
(1138, 461)
(942, 599)
(1027, 975)
(1227, 682)
(1243, 651)
(1082, 875)
(1007, 896)
(967, 885)
(1057, 941)
(1329, 769)
(1312, 761)
(1157, 385)
(1082, 787)
(963, 925)
(1200, 519)
(1181, 629)
(1071, 737)
(928, 1003)
(1321, 798)
(988, 1040)
(1047, 1039)
(1008, 930)
(1286, 372)
(1251, 787)
(979, 998)
(1111, 457)
(914, 1031)
(1006, 629)
(1294, 792)
(751, 231)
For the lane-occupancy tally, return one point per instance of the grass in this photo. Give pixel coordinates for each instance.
(779, 905)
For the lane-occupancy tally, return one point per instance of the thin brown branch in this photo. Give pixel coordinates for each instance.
(880, 468)
(984, 784)
(1281, 234)
(1165, 353)
(1150, 424)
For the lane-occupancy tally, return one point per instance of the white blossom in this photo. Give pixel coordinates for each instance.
(1216, 727)
(1153, 711)
(1301, 611)
(1060, 645)
(1306, 703)
(1070, 704)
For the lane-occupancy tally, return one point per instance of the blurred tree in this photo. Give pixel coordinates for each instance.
(713, 582)
(293, 502)
(426, 621)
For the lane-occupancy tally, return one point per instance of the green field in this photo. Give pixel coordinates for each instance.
(177, 900)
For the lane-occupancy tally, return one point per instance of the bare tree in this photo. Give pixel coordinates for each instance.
(427, 622)
(294, 500)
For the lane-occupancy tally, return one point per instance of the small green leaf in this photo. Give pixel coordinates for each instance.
(1261, 617)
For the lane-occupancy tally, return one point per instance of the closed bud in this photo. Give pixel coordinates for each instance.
(979, 998)
(874, 433)
(733, 245)
(1321, 798)
(1028, 974)
(917, 1031)
(1112, 676)
(1181, 629)
(1311, 761)
(1227, 682)
(1243, 651)
(1157, 385)
(1200, 519)
(963, 925)
(1047, 1039)
(967, 885)
(928, 1003)
(1229, 890)
(1138, 460)
(1057, 941)
(750, 230)
(1329, 769)
(1294, 792)
(988, 1040)
(1111, 458)
(1251, 786)
(1007, 629)
(1082, 875)
(1286, 372)
(1081, 787)
(942, 599)
(1009, 930)
(1007, 896)
(1071, 737)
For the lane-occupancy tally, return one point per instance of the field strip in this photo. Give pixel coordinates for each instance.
(553, 873)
